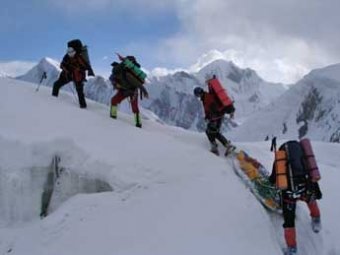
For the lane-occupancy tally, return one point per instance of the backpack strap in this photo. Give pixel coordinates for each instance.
(290, 170)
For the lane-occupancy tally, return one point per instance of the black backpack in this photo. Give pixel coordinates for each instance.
(124, 77)
(297, 172)
(119, 77)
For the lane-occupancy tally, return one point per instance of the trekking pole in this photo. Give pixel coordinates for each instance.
(74, 95)
(274, 149)
(44, 76)
(129, 100)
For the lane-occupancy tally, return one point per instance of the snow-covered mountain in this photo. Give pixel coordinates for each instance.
(119, 193)
(3, 74)
(46, 72)
(172, 100)
(171, 96)
(174, 103)
(249, 90)
(309, 108)
(14, 68)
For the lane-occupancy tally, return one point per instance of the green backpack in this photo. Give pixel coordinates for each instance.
(128, 74)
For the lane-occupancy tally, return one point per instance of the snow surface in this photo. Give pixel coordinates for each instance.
(170, 195)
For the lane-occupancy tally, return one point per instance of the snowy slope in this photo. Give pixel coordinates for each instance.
(309, 108)
(168, 194)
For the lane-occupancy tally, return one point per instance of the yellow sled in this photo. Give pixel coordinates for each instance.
(253, 174)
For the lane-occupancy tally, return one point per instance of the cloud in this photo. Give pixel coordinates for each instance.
(16, 68)
(282, 40)
(161, 71)
(134, 7)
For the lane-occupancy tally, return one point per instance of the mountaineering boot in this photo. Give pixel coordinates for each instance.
(290, 237)
(82, 102)
(214, 148)
(316, 224)
(315, 214)
(137, 120)
(291, 251)
(113, 111)
(229, 149)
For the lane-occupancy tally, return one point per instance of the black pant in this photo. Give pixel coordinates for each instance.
(63, 80)
(213, 131)
(288, 210)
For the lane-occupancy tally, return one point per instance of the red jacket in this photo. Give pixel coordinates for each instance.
(211, 106)
(75, 67)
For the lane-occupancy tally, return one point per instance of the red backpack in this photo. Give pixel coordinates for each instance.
(216, 88)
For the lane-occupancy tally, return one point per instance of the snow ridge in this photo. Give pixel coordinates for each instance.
(311, 109)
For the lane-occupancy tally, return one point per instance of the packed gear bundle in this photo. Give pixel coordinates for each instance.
(295, 166)
(132, 65)
(215, 87)
(310, 161)
(128, 74)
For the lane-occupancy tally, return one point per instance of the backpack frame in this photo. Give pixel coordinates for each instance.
(297, 173)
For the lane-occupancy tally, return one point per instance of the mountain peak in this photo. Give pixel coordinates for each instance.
(208, 58)
(48, 62)
(46, 65)
(223, 68)
(330, 72)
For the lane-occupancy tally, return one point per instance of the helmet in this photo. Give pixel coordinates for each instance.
(198, 91)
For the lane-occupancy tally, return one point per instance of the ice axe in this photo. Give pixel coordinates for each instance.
(273, 146)
(44, 76)
(121, 58)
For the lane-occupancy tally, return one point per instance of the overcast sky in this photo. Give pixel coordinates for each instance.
(281, 40)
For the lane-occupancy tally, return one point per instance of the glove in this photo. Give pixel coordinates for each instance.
(143, 92)
(314, 192)
(90, 72)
